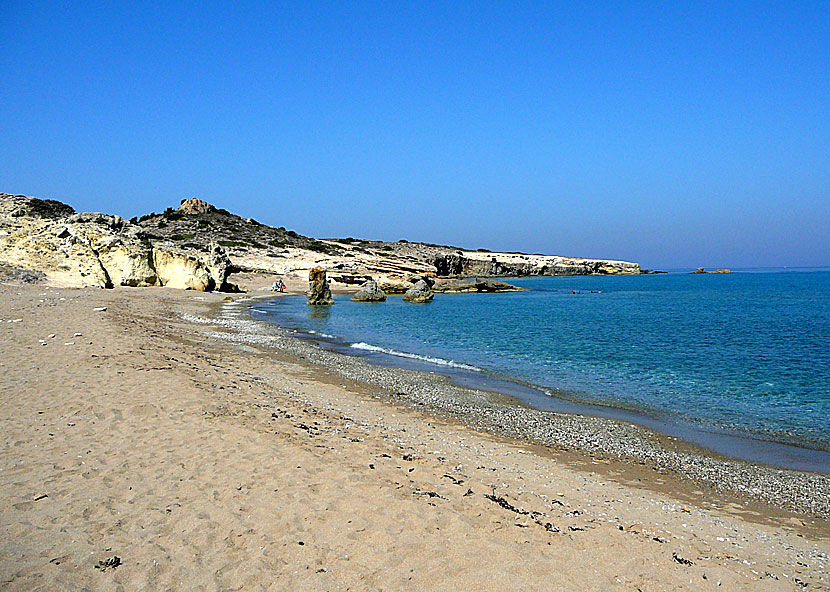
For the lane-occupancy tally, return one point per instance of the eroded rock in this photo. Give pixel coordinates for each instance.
(420, 293)
(194, 205)
(319, 292)
(90, 249)
(370, 292)
(179, 270)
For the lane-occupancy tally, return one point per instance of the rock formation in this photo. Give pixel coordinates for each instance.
(701, 270)
(319, 293)
(421, 292)
(98, 250)
(465, 286)
(194, 205)
(448, 264)
(220, 267)
(520, 265)
(18, 206)
(369, 292)
(392, 285)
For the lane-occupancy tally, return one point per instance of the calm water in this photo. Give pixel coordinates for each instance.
(747, 353)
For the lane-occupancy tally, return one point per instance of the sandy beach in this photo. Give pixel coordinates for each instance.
(149, 443)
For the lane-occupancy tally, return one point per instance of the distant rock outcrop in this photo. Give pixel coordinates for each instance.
(421, 292)
(194, 205)
(319, 293)
(370, 292)
(448, 264)
(521, 265)
(475, 285)
(701, 270)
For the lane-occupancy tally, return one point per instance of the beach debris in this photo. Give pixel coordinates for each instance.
(505, 504)
(454, 480)
(41, 496)
(312, 430)
(682, 560)
(428, 493)
(100, 309)
(110, 563)
(469, 492)
(408, 457)
(548, 526)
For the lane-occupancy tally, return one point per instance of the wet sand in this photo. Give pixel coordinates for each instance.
(206, 462)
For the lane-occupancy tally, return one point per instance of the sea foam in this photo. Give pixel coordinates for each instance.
(429, 359)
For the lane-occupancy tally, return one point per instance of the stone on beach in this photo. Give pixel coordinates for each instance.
(319, 293)
(369, 292)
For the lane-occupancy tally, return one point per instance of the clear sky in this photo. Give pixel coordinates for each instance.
(666, 133)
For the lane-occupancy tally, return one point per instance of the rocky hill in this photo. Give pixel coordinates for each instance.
(193, 247)
(45, 239)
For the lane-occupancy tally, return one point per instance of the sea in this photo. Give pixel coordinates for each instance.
(738, 363)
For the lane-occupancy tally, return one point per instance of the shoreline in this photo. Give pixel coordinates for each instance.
(767, 449)
(790, 490)
(227, 463)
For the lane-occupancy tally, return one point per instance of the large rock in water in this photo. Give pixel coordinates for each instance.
(369, 292)
(419, 293)
(476, 285)
(319, 293)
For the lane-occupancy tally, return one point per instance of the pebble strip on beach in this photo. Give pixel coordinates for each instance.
(797, 491)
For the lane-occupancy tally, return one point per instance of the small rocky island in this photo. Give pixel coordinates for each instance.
(197, 246)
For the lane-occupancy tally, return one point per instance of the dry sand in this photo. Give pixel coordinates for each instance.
(202, 464)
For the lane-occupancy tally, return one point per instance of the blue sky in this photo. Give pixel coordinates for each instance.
(666, 133)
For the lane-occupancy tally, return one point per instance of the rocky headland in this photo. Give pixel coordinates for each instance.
(198, 246)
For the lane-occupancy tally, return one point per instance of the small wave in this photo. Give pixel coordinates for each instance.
(400, 354)
(326, 335)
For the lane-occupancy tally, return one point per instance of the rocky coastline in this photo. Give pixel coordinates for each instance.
(197, 246)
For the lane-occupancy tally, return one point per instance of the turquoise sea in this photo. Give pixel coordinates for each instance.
(745, 354)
